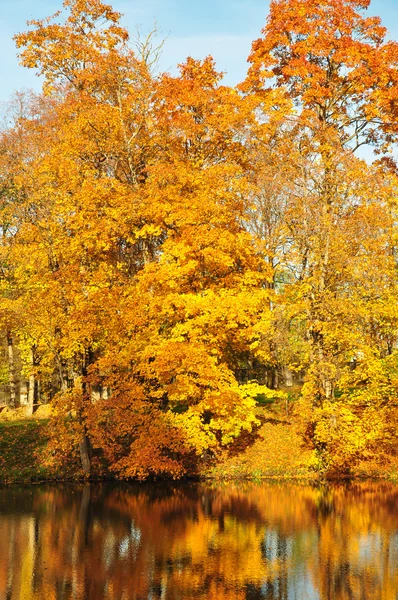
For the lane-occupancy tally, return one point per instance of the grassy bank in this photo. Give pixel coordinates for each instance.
(22, 448)
(274, 450)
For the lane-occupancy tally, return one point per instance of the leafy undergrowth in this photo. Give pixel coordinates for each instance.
(274, 450)
(27, 456)
(381, 467)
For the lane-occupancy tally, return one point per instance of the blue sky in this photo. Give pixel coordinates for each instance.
(222, 28)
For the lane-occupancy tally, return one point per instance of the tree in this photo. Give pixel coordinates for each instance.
(340, 74)
(149, 284)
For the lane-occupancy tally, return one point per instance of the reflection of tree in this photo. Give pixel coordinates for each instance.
(197, 541)
(357, 544)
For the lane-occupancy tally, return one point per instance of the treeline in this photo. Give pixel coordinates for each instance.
(161, 235)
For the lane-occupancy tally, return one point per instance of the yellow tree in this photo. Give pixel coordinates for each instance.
(192, 313)
(148, 282)
(333, 63)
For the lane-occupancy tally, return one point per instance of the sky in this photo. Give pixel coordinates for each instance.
(222, 28)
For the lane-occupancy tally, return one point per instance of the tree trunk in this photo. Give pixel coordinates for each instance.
(328, 388)
(275, 378)
(288, 377)
(85, 443)
(32, 384)
(85, 450)
(11, 369)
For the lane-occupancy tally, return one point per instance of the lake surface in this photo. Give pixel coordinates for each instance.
(199, 541)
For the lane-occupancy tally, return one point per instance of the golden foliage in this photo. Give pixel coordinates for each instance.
(162, 234)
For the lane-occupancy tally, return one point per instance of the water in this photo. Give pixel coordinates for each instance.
(197, 541)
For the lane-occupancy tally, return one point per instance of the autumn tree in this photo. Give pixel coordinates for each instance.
(141, 274)
(335, 66)
(162, 233)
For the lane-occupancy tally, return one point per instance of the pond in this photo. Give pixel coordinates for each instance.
(199, 541)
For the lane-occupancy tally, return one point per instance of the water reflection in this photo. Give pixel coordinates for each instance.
(246, 541)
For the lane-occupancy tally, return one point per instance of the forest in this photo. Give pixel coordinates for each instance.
(181, 259)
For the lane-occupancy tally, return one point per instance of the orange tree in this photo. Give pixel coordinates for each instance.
(143, 279)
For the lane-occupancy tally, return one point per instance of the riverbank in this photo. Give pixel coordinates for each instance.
(22, 448)
(273, 451)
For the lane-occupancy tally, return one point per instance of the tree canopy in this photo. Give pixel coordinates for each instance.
(173, 249)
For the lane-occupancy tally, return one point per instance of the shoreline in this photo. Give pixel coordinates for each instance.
(24, 460)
